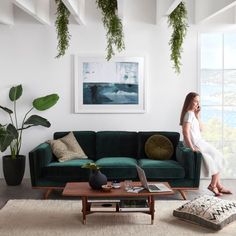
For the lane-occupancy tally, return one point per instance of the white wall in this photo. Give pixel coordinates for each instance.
(27, 56)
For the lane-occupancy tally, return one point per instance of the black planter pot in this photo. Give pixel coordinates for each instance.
(13, 169)
(97, 179)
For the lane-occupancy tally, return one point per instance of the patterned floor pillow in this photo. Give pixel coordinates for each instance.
(208, 211)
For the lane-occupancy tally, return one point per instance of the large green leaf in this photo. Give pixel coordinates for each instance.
(15, 92)
(6, 110)
(7, 136)
(5, 141)
(12, 131)
(44, 103)
(37, 120)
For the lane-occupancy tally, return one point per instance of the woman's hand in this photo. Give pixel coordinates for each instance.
(197, 114)
(197, 111)
(195, 149)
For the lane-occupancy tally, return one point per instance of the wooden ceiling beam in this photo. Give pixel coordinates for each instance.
(164, 8)
(38, 9)
(207, 9)
(121, 8)
(77, 10)
(6, 12)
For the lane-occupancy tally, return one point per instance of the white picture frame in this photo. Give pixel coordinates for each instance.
(115, 86)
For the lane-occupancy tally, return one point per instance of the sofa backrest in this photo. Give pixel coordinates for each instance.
(143, 137)
(116, 144)
(86, 139)
(101, 144)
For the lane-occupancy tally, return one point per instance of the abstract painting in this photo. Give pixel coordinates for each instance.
(115, 86)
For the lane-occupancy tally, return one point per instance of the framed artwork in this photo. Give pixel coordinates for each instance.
(115, 86)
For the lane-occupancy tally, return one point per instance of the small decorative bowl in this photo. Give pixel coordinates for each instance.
(106, 187)
(115, 184)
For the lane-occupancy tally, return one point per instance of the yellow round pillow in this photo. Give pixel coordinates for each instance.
(159, 147)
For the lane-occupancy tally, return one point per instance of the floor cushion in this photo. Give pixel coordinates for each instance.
(208, 211)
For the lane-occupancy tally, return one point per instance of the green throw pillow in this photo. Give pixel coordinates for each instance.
(159, 147)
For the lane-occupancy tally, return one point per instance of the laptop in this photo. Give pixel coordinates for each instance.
(142, 177)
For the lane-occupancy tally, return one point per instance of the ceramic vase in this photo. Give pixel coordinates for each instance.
(97, 179)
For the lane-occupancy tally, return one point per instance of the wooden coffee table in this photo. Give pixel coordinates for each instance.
(83, 190)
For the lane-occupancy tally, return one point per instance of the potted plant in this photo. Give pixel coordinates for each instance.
(62, 28)
(113, 26)
(178, 21)
(96, 178)
(11, 133)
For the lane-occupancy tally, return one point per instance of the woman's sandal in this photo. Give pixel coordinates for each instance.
(215, 190)
(224, 190)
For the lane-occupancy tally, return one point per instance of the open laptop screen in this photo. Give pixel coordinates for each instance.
(142, 177)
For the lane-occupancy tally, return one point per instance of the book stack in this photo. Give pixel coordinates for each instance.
(133, 205)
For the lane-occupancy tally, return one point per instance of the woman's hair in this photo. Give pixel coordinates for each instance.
(187, 103)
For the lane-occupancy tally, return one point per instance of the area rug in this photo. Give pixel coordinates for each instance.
(64, 217)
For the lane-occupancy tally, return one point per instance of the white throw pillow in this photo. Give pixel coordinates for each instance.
(67, 148)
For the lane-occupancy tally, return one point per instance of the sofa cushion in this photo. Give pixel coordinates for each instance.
(67, 148)
(159, 147)
(208, 211)
(143, 137)
(118, 168)
(86, 139)
(158, 169)
(67, 171)
(116, 144)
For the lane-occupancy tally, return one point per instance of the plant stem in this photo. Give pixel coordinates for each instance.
(14, 147)
(12, 151)
(11, 119)
(21, 129)
(14, 107)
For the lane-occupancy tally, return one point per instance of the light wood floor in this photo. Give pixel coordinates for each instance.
(24, 191)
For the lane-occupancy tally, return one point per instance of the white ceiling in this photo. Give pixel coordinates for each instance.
(43, 11)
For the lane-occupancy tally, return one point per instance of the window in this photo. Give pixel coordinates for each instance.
(218, 95)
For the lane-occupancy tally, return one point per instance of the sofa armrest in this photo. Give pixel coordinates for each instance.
(191, 161)
(38, 158)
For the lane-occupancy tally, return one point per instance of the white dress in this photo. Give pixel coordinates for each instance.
(213, 161)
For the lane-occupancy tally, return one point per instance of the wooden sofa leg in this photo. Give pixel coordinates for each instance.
(47, 193)
(183, 194)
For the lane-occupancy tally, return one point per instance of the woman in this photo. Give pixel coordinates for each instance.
(213, 160)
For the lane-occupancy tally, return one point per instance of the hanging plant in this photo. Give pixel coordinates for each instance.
(61, 23)
(113, 25)
(178, 21)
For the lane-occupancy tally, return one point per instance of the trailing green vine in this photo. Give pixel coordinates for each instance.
(61, 23)
(178, 21)
(113, 26)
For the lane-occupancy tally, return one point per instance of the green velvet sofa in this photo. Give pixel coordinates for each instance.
(117, 153)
